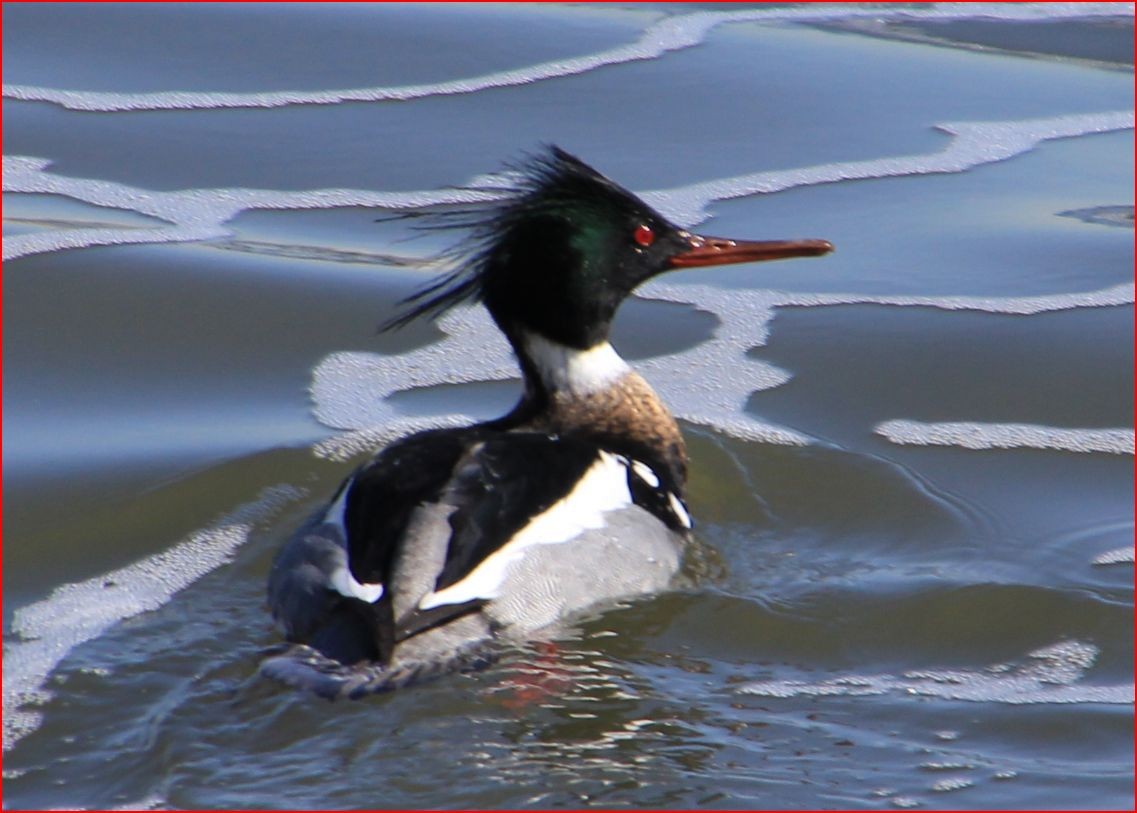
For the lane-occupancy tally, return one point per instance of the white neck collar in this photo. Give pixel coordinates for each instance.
(567, 369)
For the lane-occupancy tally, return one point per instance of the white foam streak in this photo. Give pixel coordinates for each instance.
(671, 33)
(351, 390)
(356, 442)
(44, 632)
(1120, 294)
(973, 144)
(1052, 674)
(708, 384)
(202, 214)
(194, 214)
(1120, 556)
(969, 435)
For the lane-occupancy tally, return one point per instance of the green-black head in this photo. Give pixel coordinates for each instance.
(565, 246)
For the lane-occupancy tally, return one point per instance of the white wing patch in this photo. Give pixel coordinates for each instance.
(335, 513)
(346, 585)
(645, 473)
(341, 579)
(679, 510)
(603, 488)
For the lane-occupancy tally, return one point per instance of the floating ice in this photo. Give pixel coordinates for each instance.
(44, 632)
(671, 33)
(970, 435)
(1052, 674)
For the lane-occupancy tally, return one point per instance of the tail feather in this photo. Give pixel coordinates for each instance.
(302, 667)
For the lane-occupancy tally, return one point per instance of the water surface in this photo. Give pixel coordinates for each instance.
(912, 469)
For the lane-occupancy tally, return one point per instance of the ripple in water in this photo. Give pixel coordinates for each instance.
(44, 632)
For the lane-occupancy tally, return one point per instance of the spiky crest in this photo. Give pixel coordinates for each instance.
(552, 183)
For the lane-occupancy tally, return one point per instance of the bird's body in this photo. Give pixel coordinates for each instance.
(450, 537)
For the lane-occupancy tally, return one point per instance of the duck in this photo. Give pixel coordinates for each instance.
(449, 539)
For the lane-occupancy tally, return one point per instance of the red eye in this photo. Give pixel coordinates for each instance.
(643, 235)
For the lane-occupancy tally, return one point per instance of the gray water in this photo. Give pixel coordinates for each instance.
(912, 470)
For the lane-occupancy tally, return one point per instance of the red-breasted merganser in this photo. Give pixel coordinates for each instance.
(450, 537)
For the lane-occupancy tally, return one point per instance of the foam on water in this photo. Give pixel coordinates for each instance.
(1120, 294)
(201, 214)
(954, 783)
(708, 384)
(194, 214)
(671, 33)
(44, 632)
(1052, 674)
(970, 435)
(972, 144)
(1119, 556)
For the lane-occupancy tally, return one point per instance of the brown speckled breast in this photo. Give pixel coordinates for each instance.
(629, 411)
